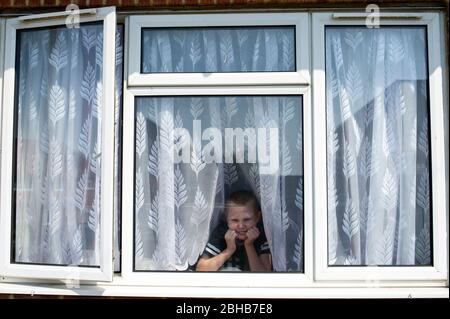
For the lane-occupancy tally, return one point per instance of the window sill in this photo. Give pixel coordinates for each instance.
(221, 292)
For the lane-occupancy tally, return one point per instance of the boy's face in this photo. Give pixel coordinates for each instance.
(241, 219)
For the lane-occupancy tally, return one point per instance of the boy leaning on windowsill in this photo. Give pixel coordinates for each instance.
(239, 242)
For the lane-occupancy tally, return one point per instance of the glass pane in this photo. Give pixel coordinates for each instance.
(118, 146)
(379, 196)
(197, 155)
(237, 49)
(57, 146)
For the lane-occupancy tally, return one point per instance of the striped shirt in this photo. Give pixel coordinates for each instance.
(239, 261)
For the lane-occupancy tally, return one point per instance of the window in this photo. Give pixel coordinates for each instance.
(384, 146)
(181, 188)
(236, 49)
(226, 139)
(219, 49)
(57, 159)
(335, 128)
(376, 120)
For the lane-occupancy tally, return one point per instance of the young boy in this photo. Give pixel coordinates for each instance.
(239, 244)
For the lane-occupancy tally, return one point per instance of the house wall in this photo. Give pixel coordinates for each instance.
(208, 4)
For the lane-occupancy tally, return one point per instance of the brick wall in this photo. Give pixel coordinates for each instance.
(14, 5)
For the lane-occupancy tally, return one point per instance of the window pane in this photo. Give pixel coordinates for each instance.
(237, 49)
(57, 146)
(187, 166)
(378, 146)
(118, 146)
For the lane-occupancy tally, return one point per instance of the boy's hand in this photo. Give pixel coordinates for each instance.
(230, 238)
(252, 234)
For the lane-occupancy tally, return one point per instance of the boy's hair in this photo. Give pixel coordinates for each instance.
(242, 198)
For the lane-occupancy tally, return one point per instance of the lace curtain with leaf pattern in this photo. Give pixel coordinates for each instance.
(237, 49)
(177, 203)
(57, 177)
(378, 155)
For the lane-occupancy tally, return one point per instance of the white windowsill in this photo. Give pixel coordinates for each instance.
(220, 292)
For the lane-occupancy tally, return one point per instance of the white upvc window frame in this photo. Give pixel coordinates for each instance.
(302, 48)
(212, 84)
(438, 272)
(316, 282)
(217, 279)
(7, 267)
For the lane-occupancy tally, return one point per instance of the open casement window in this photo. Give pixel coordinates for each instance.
(219, 49)
(379, 148)
(58, 147)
